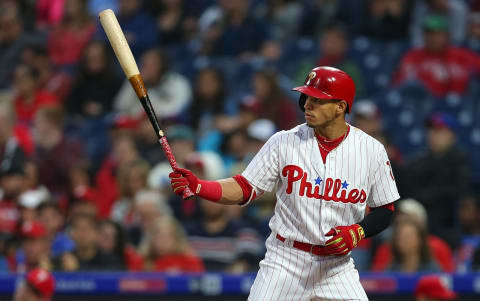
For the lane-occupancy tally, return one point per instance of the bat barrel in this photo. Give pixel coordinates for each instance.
(127, 61)
(119, 43)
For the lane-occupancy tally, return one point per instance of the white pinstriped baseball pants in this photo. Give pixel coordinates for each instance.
(294, 275)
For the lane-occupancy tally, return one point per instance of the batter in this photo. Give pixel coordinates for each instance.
(325, 172)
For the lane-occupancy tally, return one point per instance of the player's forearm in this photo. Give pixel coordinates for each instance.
(225, 191)
(232, 193)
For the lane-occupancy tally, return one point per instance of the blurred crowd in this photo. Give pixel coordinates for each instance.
(84, 184)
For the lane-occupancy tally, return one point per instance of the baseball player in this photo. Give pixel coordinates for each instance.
(39, 285)
(325, 173)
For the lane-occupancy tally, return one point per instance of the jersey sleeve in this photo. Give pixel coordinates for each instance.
(384, 189)
(262, 172)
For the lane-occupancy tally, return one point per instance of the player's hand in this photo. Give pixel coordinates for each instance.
(344, 239)
(182, 178)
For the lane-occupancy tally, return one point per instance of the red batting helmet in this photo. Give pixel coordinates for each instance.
(327, 83)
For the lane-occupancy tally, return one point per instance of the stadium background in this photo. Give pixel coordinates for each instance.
(85, 186)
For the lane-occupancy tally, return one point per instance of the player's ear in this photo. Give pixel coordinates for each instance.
(341, 107)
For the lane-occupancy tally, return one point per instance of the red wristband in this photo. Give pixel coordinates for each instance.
(209, 190)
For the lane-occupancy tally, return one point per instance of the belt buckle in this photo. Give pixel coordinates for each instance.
(311, 249)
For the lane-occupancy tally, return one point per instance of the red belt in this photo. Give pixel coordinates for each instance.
(309, 248)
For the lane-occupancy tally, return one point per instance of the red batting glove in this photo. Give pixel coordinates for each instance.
(182, 178)
(344, 239)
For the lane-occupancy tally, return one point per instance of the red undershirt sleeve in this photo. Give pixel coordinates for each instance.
(387, 206)
(248, 192)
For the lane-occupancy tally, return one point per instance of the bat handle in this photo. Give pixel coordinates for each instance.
(187, 193)
(147, 105)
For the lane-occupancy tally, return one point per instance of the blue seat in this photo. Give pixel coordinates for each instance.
(297, 52)
(378, 61)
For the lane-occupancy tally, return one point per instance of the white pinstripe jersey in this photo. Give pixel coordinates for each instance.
(313, 197)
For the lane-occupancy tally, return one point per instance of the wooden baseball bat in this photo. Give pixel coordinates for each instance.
(127, 61)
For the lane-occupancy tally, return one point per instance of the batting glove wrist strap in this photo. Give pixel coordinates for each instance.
(344, 239)
(182, 178)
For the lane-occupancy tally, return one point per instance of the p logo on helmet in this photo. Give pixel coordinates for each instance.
(311, 76)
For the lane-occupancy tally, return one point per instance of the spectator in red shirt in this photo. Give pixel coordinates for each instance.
(167, 249)
(124, 152)
(439, 66)
(410, 249)
(55, 154)
(29, 99)
(68, 39)
(441, 251)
